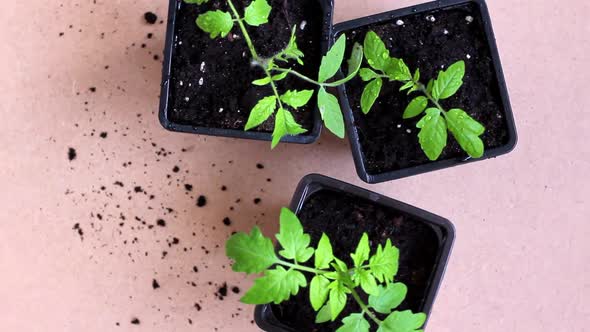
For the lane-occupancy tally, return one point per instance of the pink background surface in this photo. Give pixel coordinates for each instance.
(520, 262)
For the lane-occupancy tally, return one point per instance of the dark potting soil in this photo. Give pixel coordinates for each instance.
(388, 141)
(344, 218)
(211, 79)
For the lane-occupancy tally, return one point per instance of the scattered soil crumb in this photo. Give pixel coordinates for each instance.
(201, 201)
(150, 17)
(135, 321)
(155, 284)
(227, 221)
(72, 154)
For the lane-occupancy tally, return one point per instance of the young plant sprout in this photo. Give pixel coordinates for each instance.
(219, 23)
(436, 120)
(332, 280)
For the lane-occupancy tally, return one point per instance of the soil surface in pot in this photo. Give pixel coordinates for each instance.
(430, 41)
(344, 218)
(211, 78)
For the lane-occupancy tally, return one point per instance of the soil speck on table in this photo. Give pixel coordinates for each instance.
(155, 284)
(201, 201)
(150, 17)
(72, 154)
(135, 321)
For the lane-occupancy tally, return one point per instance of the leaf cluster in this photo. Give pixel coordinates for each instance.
(332, 280)
(435, 121)
(219, 23)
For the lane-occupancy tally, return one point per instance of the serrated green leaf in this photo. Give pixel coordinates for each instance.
(332, 61)
(337, 299)
(296, 98)
(292, 50)
(295, 243)
(449, 81)
(324, 315)
(366, 280)
(331, 112)
(257, 13)
(402, 321)
(354, 323)
(397, 70)
(384, 263)
(388, 298)
(261, 112)
(362, 251)
(198, 2)
(285, 125)
(367, 74)
(216, 23)
(252, 253)
(416, 107)
(275, 286)
(466, 131)
(339, 265)
(433, 133)
(370, 94)
(375, 51)
(323, 254)
(318, 291)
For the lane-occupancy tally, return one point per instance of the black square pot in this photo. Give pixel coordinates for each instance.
(175, 7)
(433, 239)
(484, 43)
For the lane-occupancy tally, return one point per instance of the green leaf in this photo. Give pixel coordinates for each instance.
(384, 263)
(275, 286)
(257, 13)
(354, 323)
(280, 77)
(397, 70)
(323, 254)
(285, 125)
(262, 81)
(406, 86)
(375, 51)
(354, 64)
(331, 113)
(337, 299)
(370, 95)
(362, 251)
(366, 280)
(292, 50)
(296, 98)
(252, 253)
(332, 61)
(261, 112)
(339, 265)
(416, 77)
(318, 291)
(433, 133)
(324, 315)
(466, 131)
(198, 2)
(388, 298)
(416, 107)
(295, 243)
(402, 321)
(367, 74)
(449, 81)
(430, 86)
(216, 23)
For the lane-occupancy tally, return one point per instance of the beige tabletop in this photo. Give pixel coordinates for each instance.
(78, 249)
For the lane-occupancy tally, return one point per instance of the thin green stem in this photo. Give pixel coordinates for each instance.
(302, 268)
(363, 306)
(307, 79)
(244, 31)
(274, 87)
(423, 89)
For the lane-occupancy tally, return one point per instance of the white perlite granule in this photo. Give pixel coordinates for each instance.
(399, 22)
(201, 81)
(303, 25)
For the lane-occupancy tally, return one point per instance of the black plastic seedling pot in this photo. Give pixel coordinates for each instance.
(344, 212)
(207, 84)
(430, 36)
